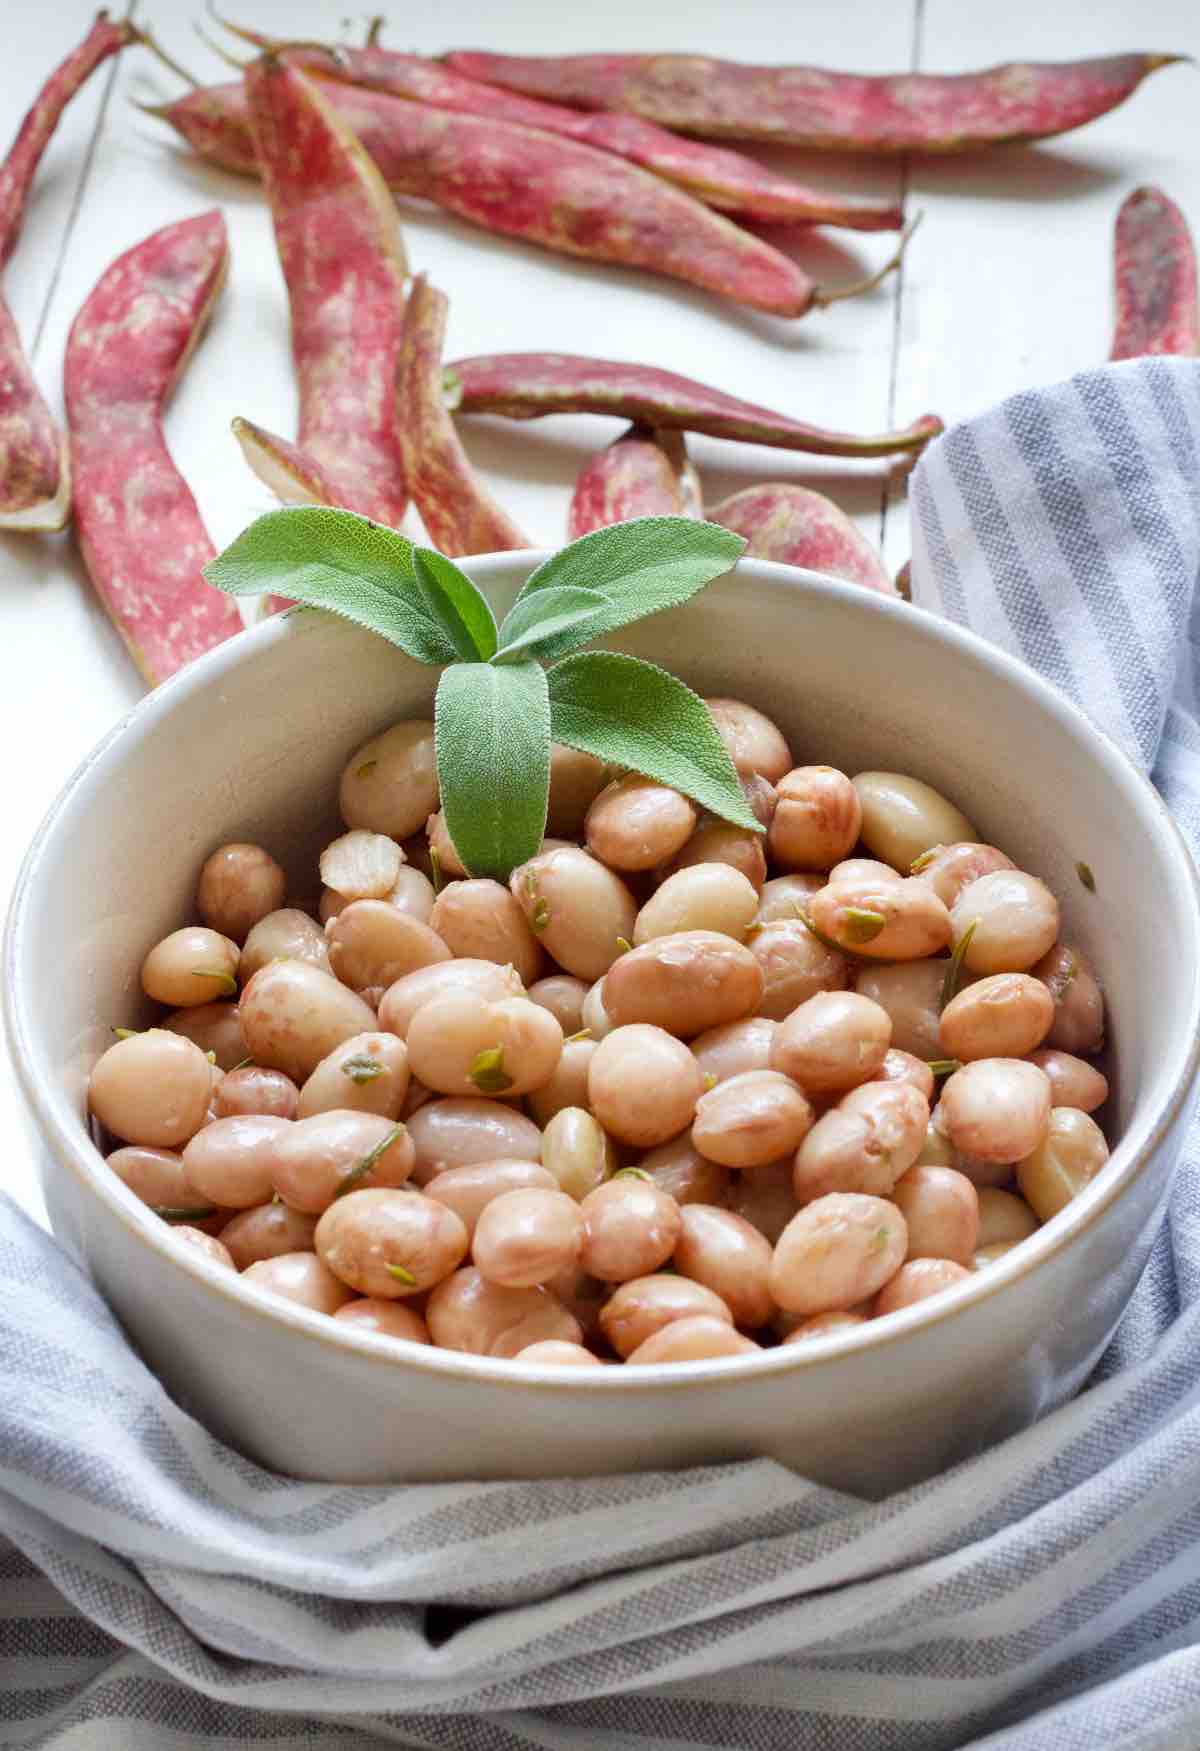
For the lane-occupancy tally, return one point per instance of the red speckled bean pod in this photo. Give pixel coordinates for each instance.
(794, 526)
(458, 511)
(814, 107)
(138, 524)
(344, 263)
(1157, 308)
(528, 386)
(643, 474)
(35, 474)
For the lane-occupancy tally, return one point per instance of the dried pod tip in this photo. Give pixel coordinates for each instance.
(823, 297)
(149, 41)
(221, 52)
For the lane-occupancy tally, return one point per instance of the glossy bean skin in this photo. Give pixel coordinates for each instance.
(156, 1176)
(1071, 1153)
(700, 1339)
(460, 1133)
(816, 820)
(764, 1198)
(484, 979)
(208, 1244)
(996, 1109)
(988, 1255)
(568, 1086)
(251, 1090)
(372, 944)
(239, 884)
(1078, 1024)
(1015, 920)
(643, 1085)
(368, 1073)
(266, 1232)
(937, 1149)
(635, 823)
(795, 966)
(361, 865)
(1073, 1082)
(555, 1353)
(300, 1277)
(645, 1305)
(152, 1088)
(481, 921)
(735, 1047)
(577, 907)
(293, 1015)
(941, 1209)
(386, 1319)
(215, 1028)
(717, 841)
(527, 1236)
(230, 1162)
(903, 817)
(730, 1257)
(679, 1169)
(912, 996)
(443, 853)
(864, 1144)
(1004, 1015)
(630, 1228)
(577, 1152)
(389, 785)
(461, 1046)
(466, 1312)
(915, 923)
(822, 1325)
(918, 1280)
(903, 1067)
(832, 1042)
(1004, 1218)
(860, 869)
(576, 780)
(469, 1190)
(951, 868)
(191, 966)
(596, 1018)
(761, 794)
(317, 1160)
(287, 935)
(685, 984)
(390, 1244)
(704, 896)
(412, 893)
(563, 996)
(785, 897)
(755, 744)
(837, 1252)
(751, 1120)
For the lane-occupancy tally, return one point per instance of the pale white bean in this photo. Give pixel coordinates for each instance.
(1005, 1015)
(704, 896)
(253, 1090)
(1071, 1153)
(795, 967)
(1073, 1082)
(267, 1232)
(917, 1281)
(941, 1209)
(685, 984)
(717, 841)
(734, 1047)
(1078, 1024)
(568, 1086)
(755, 744)
(368, 1073)
(461, 1046)
(816, 820)
(239, 884)
(878, 920)
(751, 1120)
(466, 1312)
(643, 1085)
(483, 979)
(635, 823)
(1004, 1218)
(191, 966)
(386, 1319)
(948, 869)
(288, 935)
(576, 779)
(678, 1169)
(361, 865)
(563, 996)
(729, 1256)
(293, 1015)
(645, 1305)
(230, 1162)
(579, 909)
(389, 785)
(996, 1109)
(480, 920)
(390, 1244)
(319, 1159)
(578, 1152)
(912, 995)
(832, 1042)
(864, 1144)
(469, 1190)
(152, 1088)
(1013, 920)
(300, 1277)
(530, 1235)
(215, 1028)
(836, 1252)
(903, 817)
(701, 1339)
(630, 1228)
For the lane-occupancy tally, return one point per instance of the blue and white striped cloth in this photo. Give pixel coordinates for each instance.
(157, 1591)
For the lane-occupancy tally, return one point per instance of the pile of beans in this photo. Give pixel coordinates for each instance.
(678, 1091)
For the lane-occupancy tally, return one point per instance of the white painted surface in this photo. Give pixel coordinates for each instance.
(1007, 285)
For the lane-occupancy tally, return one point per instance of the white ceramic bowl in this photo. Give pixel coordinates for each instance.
(248, 744)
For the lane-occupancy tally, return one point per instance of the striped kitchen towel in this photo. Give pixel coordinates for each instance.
(157, 1591)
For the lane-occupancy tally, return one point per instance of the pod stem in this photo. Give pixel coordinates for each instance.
(151, 42)
(374, 31)
(220, 51)
(823, 297)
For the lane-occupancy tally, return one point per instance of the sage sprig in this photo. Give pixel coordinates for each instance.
(507, 691)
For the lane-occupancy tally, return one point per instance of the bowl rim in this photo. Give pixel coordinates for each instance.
(71, 1143)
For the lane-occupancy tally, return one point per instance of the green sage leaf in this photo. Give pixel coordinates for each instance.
(462, 611)
(533, 623)
(492, 734)
(636, 715)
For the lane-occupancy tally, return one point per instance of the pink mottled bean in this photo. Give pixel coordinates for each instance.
(1078, 1024)
(645, 1305)
(729, 1256)
(1073, 1082)
(918, 1280)
(368, 1073)
(643, 1085)
(735, 1047)
(563, 996)
(755, 744)
(996, 1109)
(459, 1133)
(469, 1190)
(300, 1277)
(836, 1252)
(466, 1312)
(795, 967)
(816, 819)
(833, 1041)
(948, 869)
(484, 979)
(267, 1232)
(941, 1209)
(678, 1169)
(529, 1235)
(751, 1119)
(386, 1319)
(319, 1159)
(630, 1228)
(700, 1339)
(390, 1244)
(864, 1144)
(251, 1090)
(481, 920)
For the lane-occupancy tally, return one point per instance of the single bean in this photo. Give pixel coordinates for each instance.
(266, 1232)
(556, 1353)
(729, 1256)
(361, 865)
(795, 967)
(596, 1018)
(751, 1120)
(1078, 1024)
(368, 1073)
(461, 1046)
(820, 1325)
(239, 884)
(996, 1109)
(372, 945)
(390, 1244)
(764, 1198)
(635, 823)
(300, 1277)
(734, 1047)
(215, 1028)
(230, 1162)
(948, 869)
(832, 1042)
(836, 1252)
(912, 995)
(412, 893)
(318, 1159)
(484, 979)
(700, 1339)
(152, 1088)
(527, 1236)
(564, 997)
(191, 966)
(466, 1312)
(704, 896)
(784, 899)
(755, 744)
(460, 1133)
(1015, 919)
(717, 841)
(568, 1086)
(678, 1169)
(389, 785)
(289, 935)
(1072, 1152)
(864, 1144)
(1073, 1082)
(917, 1281)
(645, 1305)
(941, 1208)
(387, 1319)
(630, 1228)
(816, 819)
(889, 921)
(1004, 1015)
(156, 1176)
(579, 910)
(469, 1190)
(860, 869)
(903, 1067)
(685, 984)
(578, 1152)
(576, 780)
(251, 1090)
(1003, 1218)
(293, 1015)
(902, 818)
(480, 920)
(643, 1085)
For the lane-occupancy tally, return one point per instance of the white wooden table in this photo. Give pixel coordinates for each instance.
(1007, 285)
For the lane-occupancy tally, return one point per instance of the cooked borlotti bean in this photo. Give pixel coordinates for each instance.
(481, 920)
(700, 1339)
(734, 1047)
(215, 1028)
(903, 817)
(917, 1281)
(860, 869)
(319, 1159)
(576, 779)
(459, 1133)
(1013, 920)
(390, 1244)
(458, 1045)
(578, 1152)
(387, 1319)
(466, 1312)
(368, 1073)
(821, 1325)
(903, 1067)
(389, 785)
(579, 910)
(300, 1277)
(751, 1119)
(948, 869)
(208, 1244)
(879, 920)
(563, 996)
(764, 1198)
(643, 1085)
(288, 935)
(555, 1353)
(630, 1228)
(230, 1162)
(1073, 1081)
(912, 996)
(703, 896)
(941, 1209)
(679, 1169)
(1004, 1218)
(190, 966)
(529, 1235)
(724, 1252)
(816, 820)
(293, 1015)
(469, 1190)
(372, 944)
(1072, 1152)
(686, 983)
(1078, 1024)
(785, 898)
(596, 1018)
(795, 967)
(645, 1305)
(239, 884)
(996, 1109)
(837, 1252)
(755, 744)
(1004, 1015)
(636, 823)
(484, 979)
(832, 1042)
(152, 1088)
(864, 1144)
(567, 1086)
(717, 841)
(251, 1090)
(267, 1232)
(412, 893)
